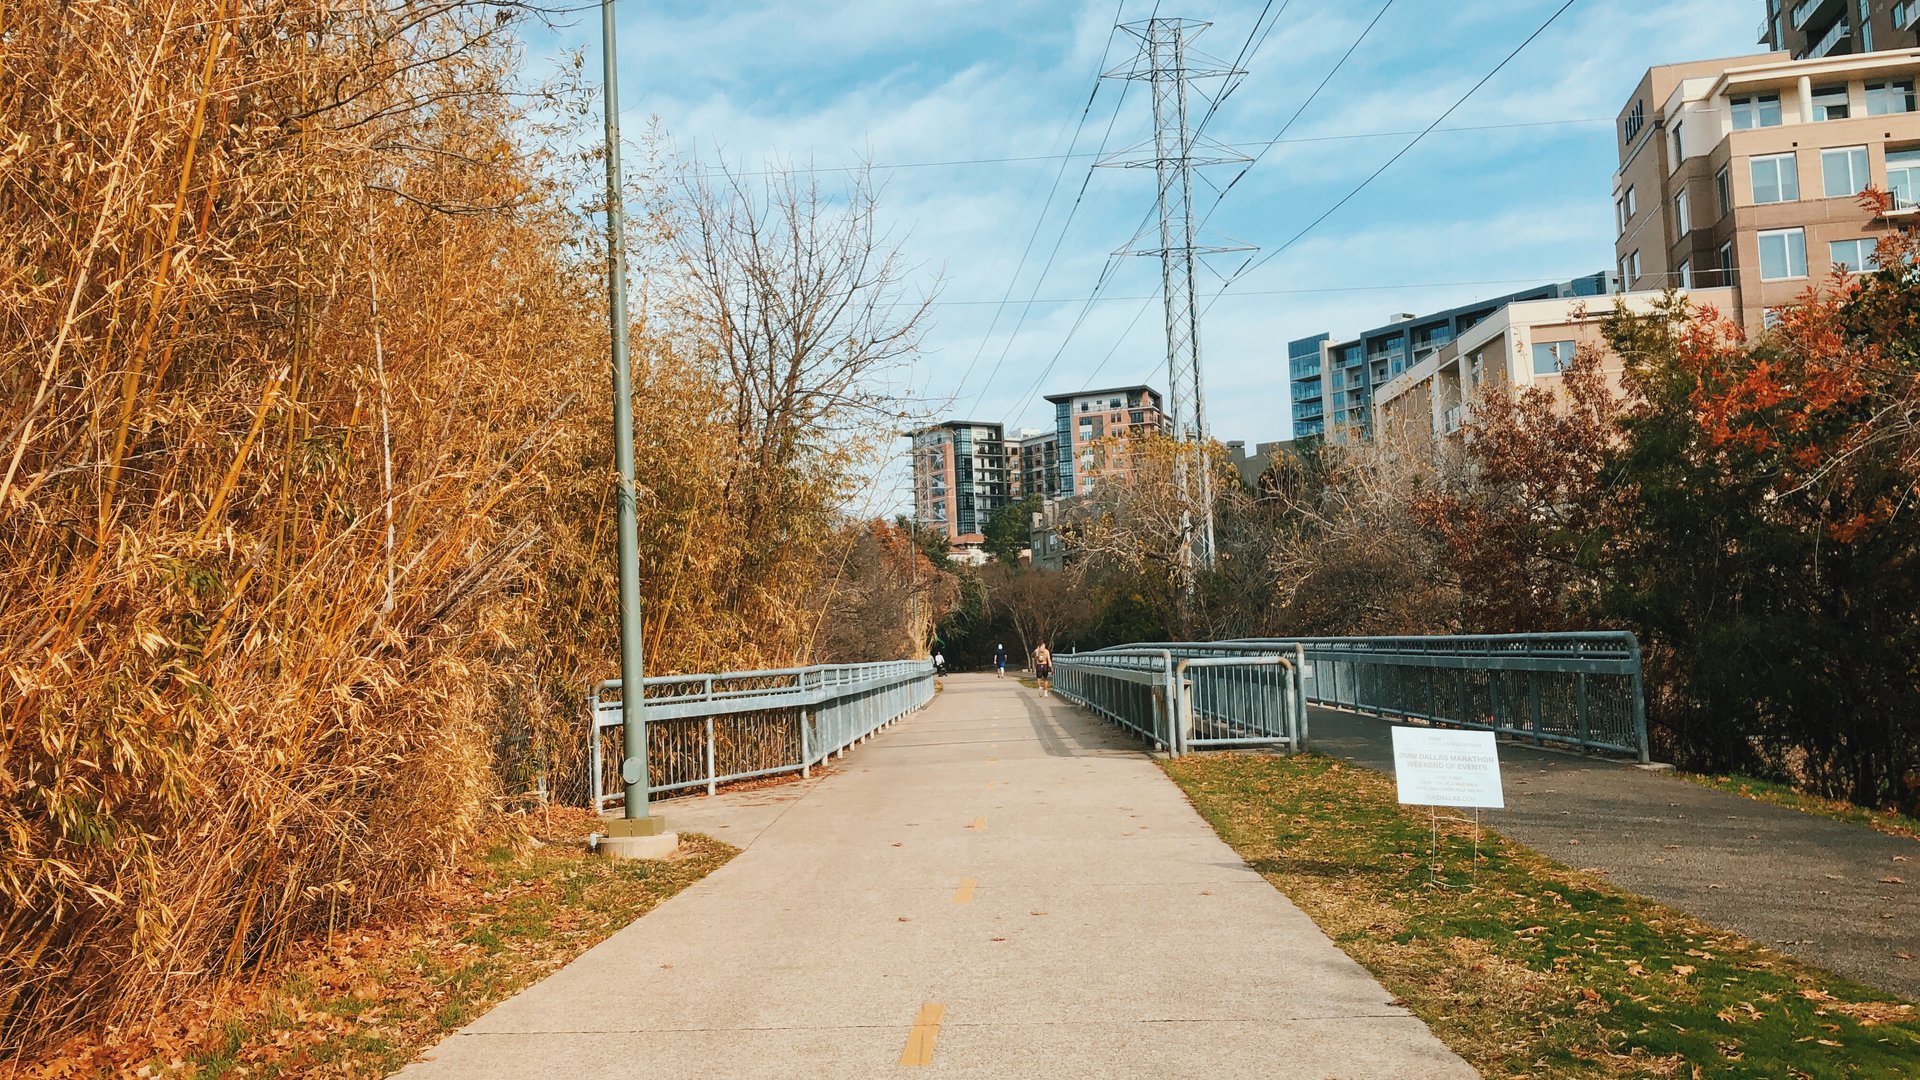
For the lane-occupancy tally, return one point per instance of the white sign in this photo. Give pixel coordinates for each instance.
(1433, 767)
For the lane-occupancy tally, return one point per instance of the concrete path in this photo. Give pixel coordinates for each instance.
(996, 886)
(1838, 895)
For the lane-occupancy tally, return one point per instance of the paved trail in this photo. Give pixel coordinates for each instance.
(997, 886)
(1809, 886)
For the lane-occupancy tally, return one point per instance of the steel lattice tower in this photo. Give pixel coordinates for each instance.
(1169, 64)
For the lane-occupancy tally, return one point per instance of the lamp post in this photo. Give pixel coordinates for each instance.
(637, 835)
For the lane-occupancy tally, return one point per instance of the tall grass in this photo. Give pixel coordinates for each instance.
(282, 567)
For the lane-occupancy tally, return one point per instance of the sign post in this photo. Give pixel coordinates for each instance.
(1435, 767)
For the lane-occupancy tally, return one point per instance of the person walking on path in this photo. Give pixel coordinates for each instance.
(1043, 669)
(999, 661)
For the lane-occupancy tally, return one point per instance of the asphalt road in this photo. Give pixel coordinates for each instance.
(1838, 895)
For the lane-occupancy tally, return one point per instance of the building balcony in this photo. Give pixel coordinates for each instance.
(1815, 11)
(1831, 40)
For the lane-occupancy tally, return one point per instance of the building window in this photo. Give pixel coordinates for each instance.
(1684, 274)
(1679, 147)
(1783, 254)
(1681, 220)
(1633, 207)
(1633, 266)
(1843, 171)
(1723, 187)
(1552, 357)
(1726, 263)
(1756, 110)
(1855, 255)
(1891, 96)
(1631, 126)
(1623, 274)
(1866, 27)
(1903, 177)
(1904, 12)
(1830, 102)
(1770, 318)
(1620, 214)
(1776, 178)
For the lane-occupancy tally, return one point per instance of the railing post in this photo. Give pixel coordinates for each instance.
(1639, 704)
(593, 748)
(806, 755)
(710, 773)
(1533, 696)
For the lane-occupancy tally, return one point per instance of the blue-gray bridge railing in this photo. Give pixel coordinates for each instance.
(1188, 696)
(1575, 689)
(706, 730)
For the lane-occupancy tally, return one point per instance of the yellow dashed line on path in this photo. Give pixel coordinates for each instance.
(964, 894)
(979, 824)
(926, 1026)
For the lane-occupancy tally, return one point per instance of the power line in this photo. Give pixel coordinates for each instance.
(1105, 273)
(1024, 158)
(1255, 264)
(1284, 128)
(1013, 281)
(1294, 292)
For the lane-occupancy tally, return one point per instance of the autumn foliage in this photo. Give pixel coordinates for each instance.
(305, 563)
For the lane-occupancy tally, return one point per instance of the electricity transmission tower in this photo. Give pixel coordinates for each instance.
(1169, 64)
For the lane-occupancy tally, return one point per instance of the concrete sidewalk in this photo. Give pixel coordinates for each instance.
(997, 886)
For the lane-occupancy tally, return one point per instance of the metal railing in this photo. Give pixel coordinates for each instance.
(1577, 689)
(1188, 696)
(707, 730)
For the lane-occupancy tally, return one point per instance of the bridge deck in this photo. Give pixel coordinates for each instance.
(997, 886)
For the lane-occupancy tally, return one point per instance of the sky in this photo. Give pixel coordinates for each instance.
(931, 92)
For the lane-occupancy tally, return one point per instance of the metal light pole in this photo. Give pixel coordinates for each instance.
(626, 834)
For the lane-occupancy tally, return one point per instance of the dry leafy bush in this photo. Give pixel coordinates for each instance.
(303, 477)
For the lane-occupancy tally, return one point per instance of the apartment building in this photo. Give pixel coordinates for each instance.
(1033, 464)
(959, 478)
(1083, 419)
(1746, 172)
(1523, 344)
(1304, 362)
(1812, 29)
(1335, 390)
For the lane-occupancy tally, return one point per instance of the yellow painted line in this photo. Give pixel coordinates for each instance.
(926, 1026)
(964, 894)
(979, 823)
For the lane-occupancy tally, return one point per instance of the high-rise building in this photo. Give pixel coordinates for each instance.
(1747, 172)
(1085, 418)
(1033, 464)
(1347, 374)
(1303, 373)
(1812, 29)
(959, 478)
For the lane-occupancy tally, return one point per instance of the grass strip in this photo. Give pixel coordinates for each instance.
(365, 1002)
(1538, 969)
(1792, 798)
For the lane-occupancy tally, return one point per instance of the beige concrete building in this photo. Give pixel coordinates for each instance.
(1746, 172)
(1524, 344)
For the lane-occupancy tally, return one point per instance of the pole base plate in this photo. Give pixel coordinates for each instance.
(658, 846)
(639, 826)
